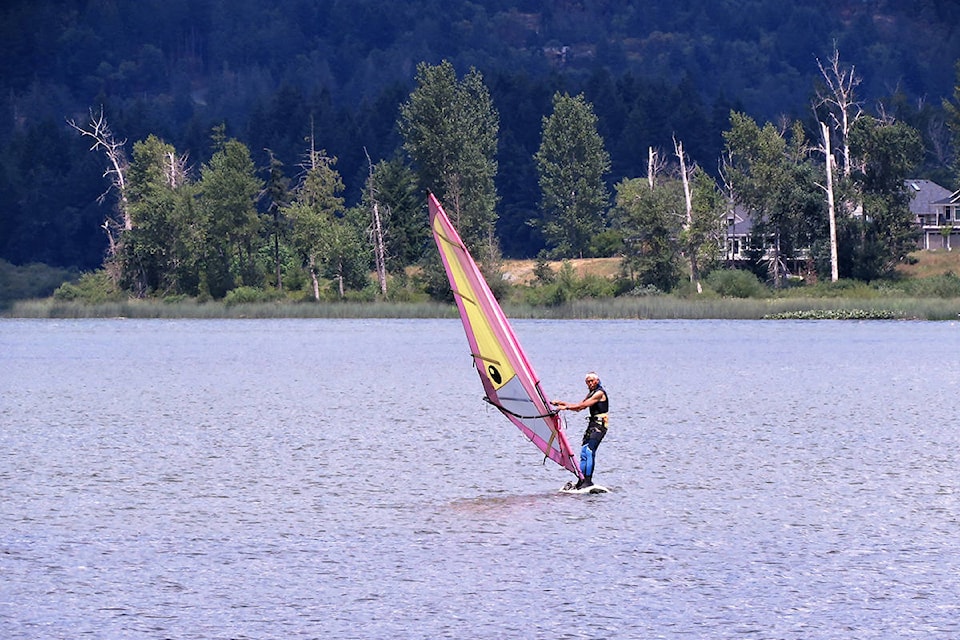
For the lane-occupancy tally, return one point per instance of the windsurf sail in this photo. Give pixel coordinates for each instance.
(508, 378)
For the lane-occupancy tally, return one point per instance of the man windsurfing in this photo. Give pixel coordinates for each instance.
(598, 404)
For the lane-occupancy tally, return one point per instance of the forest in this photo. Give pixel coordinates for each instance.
(275, 90)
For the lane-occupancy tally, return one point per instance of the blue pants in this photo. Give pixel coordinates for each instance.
(591, 440)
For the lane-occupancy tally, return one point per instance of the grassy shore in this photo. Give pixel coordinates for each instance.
(855, 301)
(647, 308)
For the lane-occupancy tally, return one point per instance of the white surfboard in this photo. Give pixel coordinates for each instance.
(596, 488)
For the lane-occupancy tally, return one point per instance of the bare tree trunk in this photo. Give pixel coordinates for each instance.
(276, 253)
(831, 207)
(655, 164)
(379, 247)
(688, 224)
(176, 169)
(651, 165)
(379, 251)
(775, 263)
(314, 280)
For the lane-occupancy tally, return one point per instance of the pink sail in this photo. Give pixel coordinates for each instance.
(508, 378)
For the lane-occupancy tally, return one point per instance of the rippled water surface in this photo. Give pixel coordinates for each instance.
(344, 479)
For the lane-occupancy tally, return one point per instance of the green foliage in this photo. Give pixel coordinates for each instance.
(606, 244)
(942, 286)
(735, 283)
(348, 256)
(572, 163)
(567, 286)
(450, 130)
(229, 189)
(952, 111)
(251, 295)
(649, 221)
(29, 281)
(771, 176)
(886, 154)
(160, 253)
(659, 71)
(316, 234)
(843, 288)
(393, 187)
(543, 273)
(92, 288)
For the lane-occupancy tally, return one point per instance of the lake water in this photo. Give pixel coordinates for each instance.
(344, 479)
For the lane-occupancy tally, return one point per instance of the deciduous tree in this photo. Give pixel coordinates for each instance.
(229, 188)
(571, 163)
(650, 221)
(885, 153)
(312, 214)
(450, 129)
(159, 251)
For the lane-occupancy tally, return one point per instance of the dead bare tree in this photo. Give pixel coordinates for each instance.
(176, 168)
(691, 247)
(104, 140)
(831, 207)
(841, 101)
(938, 142)
(724, 165)
(376, 231)
(655, 165)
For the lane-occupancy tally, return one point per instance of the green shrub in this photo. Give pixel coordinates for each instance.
(92, 288)
(736, 283)
(30, 281)
(943, 286)
(855, 289)
(251, 295)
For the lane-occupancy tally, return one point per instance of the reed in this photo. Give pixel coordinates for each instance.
(642, 308)
(669, 308)
(49, 308)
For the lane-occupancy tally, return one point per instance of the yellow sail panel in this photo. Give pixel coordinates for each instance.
(496, 366)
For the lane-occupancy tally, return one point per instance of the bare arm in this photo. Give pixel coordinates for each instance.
(591, 400)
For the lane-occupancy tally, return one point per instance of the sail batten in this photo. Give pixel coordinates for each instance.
(509, 381)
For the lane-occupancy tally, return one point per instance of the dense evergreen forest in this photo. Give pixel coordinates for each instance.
(289, 77)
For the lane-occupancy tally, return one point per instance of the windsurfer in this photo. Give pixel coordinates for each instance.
(596, 401)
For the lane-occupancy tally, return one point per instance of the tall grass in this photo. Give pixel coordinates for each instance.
(646, 308)
(669, 307)
(209, 310)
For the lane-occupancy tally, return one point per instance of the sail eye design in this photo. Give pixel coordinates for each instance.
(494, 374)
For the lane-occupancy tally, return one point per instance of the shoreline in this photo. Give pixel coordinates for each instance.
(621, 308)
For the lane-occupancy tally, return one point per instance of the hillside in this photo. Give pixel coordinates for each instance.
(932, 263)
(276, 73)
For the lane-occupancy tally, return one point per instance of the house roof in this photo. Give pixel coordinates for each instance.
(926, 194)
(739, 222)
(953, 198)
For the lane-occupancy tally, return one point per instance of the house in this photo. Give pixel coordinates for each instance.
(935, 209)
(737, 234)
(739, 245)
(937, 212)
